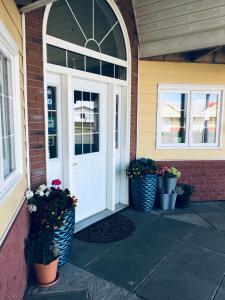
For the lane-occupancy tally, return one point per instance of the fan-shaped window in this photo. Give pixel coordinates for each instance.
(88, 23)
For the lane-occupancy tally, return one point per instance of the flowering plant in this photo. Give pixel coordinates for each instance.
(141, 167)
(47, 208)
(168, 172)
(162, 170)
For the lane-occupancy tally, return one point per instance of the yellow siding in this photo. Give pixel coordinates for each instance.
(150, 75)
(11, 18)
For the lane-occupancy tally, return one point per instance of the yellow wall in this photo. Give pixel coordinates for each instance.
(11, 18)
(150, 75)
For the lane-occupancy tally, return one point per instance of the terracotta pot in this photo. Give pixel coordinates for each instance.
(46, 274)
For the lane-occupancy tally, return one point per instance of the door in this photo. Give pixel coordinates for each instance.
(117, 136)
(90, 146)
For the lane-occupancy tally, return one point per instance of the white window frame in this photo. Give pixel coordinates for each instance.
(10, 50)
(189, 89)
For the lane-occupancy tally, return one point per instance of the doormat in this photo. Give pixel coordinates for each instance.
(114, 228)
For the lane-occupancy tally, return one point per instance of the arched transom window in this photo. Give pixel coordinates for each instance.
(90, 24)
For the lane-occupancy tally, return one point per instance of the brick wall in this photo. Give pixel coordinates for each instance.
(35, 94)
(126, 9)
(207, 176)
(13, 268)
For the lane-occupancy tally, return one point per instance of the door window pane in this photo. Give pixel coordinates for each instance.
(86, 122)
(204, 118)
(173, 118)
(52, 122)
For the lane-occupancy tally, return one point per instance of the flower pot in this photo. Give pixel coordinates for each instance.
(64, 237)
(170, 184)
(165, 201)
(173, 198)
(144, 191)
(160, 183)
(183, 200)
(46, 275)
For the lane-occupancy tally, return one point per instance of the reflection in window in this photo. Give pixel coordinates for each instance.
(204, 117)
(86, 122)
(173, 118)
(189, 118)
(52, 122)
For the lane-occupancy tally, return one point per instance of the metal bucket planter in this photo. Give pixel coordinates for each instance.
(160, 183)
(144, 192)
(165, 201)
(183, 200)
(170, 184)
(173, 198)
(64, 237)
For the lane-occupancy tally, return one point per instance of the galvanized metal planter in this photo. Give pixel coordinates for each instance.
(144, 192)
(64, 237)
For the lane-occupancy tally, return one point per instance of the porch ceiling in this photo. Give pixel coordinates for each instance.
(174, 26)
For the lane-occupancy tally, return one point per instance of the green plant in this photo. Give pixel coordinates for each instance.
(47, 208)
(141, 167)
(172, 173)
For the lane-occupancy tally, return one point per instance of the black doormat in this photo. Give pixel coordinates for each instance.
(111, 229)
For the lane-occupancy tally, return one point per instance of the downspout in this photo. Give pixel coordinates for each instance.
(25, 98)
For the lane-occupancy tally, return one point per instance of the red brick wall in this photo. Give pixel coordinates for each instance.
(35, 94)
(13, 269)
(126, 9)
(207, 176)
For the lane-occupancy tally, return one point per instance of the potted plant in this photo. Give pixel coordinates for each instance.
(143, 177)
(161, 171)
(171, 177)
(184, 193)
(164, 200)
(48, 208)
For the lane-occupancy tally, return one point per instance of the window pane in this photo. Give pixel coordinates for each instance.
(107, 69)
(78, 144)
(86, 143)
(95, 142)
(52, 145)
(51, 97)
(94, 102)
(75, 61)
(92, 65)
(8, 144)
(204, 117)
(56, 56)
(173, 118)
(120, 72)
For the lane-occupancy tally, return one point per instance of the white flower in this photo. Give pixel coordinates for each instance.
(47, 193)
(41, 193)
(29, 194)
(32, 208)
(42, 187)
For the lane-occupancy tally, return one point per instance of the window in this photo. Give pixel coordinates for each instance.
(52, 122)
(10, 123)
(189, 117)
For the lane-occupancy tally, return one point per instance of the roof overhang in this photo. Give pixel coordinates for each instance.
(34, 5)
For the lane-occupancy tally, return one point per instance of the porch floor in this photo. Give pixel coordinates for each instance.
(171, 255)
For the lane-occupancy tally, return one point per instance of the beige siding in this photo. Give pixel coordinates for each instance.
(11, 18)
(154, 73)
(170, 26)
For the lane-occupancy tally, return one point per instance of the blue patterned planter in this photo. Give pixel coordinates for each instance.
(144, 192)
(64, 237)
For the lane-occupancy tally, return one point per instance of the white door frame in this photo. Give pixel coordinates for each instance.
(67, 74)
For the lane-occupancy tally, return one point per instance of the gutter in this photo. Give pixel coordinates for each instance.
(35, 5)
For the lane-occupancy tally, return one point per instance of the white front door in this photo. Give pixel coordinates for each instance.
(90, 146)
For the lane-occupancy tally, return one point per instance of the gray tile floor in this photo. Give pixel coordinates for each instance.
(178, 255)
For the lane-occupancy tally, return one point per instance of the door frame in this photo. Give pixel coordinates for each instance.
(66, 75)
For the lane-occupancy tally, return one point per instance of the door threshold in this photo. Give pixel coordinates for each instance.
(97, 217)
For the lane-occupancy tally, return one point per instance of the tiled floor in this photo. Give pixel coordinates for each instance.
(177, 255)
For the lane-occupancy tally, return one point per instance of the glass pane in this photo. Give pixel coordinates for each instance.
(78, 123)
(61, 22)
(107, 69)
(173, 118)
(204, 117)
(56, 56)
(8, 144)
(120, 72)
(92, 65)
(78, 144)
(52, 122)
(94, 123)
(78, 95)
(95, 142)
(51, 96)
(94, 102)
(86, 123)
(75, 61)
(52, 146)
(86, 143)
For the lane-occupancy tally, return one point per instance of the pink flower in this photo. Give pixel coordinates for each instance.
(56, 182)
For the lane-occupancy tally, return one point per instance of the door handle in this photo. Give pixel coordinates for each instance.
(75, 164)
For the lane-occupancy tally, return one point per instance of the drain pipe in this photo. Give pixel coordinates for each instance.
(25, 98)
